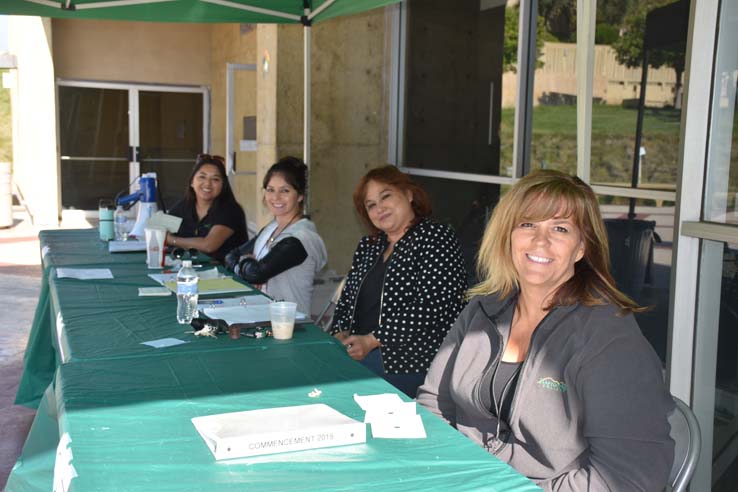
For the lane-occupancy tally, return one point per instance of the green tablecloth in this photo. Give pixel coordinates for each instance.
(123, 410)
(102, 318)
(128, 422)
(73, 247)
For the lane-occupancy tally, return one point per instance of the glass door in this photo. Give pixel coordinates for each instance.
(714, 385)
(93, 141)
(171, 135)
(111, 133)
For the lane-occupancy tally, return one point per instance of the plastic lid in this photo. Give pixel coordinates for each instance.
(186, 263)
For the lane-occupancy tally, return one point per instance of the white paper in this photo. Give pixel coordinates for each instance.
(169, 222)
(84, 273)
(405, 427)
(126, 246)
(258, 313)
(403, 410)
(154, 291)
(164, 342)
(380, 402)
(44, 251)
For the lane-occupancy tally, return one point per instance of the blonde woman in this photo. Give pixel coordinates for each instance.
(546, 367)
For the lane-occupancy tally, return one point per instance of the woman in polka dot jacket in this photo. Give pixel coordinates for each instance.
(406, 284)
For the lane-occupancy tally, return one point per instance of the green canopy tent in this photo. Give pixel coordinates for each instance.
(304, 12)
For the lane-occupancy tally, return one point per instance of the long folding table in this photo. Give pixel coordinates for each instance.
(116, 415)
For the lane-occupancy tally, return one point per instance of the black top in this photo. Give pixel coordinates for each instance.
(368, 301)
(504, 381)
(229, 215)
(423, 294)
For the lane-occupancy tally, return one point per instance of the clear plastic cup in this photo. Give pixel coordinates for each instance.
(282, 315)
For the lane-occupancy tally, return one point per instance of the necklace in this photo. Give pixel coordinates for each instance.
(275, 234)
(278, 231)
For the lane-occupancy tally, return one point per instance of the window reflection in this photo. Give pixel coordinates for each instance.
(725, 433)
(456, 55)
(468, 212)
(641, 260)
(627, 32)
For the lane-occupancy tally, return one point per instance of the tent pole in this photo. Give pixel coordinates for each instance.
(306, 108)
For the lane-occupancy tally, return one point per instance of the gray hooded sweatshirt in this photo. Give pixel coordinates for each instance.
(590, 409)
(296, 284)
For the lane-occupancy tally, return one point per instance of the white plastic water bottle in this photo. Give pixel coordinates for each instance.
(121, 224)
(186, 293)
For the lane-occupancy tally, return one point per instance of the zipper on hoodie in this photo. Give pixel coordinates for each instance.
(520, 378)
(493, 364)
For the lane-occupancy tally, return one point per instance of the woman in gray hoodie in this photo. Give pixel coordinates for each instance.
(285, 255)
(546, 366)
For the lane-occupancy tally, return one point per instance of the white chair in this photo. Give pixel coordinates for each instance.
(685, 430)
(323, 321)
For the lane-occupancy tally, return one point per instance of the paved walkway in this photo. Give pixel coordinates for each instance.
(20, 283)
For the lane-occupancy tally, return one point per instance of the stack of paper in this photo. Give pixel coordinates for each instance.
(390, 417)
(255, 313)
(277, 430)
(126, 246)
(211, 282)
(84, 273)
(250, 300)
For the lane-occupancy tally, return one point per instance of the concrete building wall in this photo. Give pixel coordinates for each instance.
(350, 68)
(235, 43)
(350, 100)
(33, 100)
(159, 53)
(267, 80)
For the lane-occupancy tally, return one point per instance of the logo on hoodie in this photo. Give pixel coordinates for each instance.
(551, 384)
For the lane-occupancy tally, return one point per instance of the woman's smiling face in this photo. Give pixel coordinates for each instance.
(389, 208)
(281, 198)
(207, 183)
(544, 252)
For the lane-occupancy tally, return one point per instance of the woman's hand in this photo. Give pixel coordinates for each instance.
(358, 346)
(342, 335)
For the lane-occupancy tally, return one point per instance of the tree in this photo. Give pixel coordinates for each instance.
(510, 42)
(559, 18)
(629, 47)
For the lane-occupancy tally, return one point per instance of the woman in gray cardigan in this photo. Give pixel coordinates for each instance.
(546, 367)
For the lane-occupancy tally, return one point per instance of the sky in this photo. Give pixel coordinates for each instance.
(3, 33)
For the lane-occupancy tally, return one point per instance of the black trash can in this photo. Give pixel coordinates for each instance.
(631, 253)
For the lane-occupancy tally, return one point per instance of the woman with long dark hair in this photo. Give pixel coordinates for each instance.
(283, 258)
(212, 220)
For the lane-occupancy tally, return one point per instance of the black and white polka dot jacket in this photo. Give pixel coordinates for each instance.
(424, 288)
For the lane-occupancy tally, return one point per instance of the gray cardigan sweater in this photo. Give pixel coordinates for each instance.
(590, 408)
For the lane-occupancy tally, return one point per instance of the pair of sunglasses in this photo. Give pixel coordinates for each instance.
(184, 254)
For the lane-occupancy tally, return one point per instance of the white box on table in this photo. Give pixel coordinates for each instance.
(278, 430)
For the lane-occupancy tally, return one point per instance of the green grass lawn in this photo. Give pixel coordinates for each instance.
(606, 120)
(6, 141)
(554, 142)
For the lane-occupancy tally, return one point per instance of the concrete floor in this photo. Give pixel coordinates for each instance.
(20, 282)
